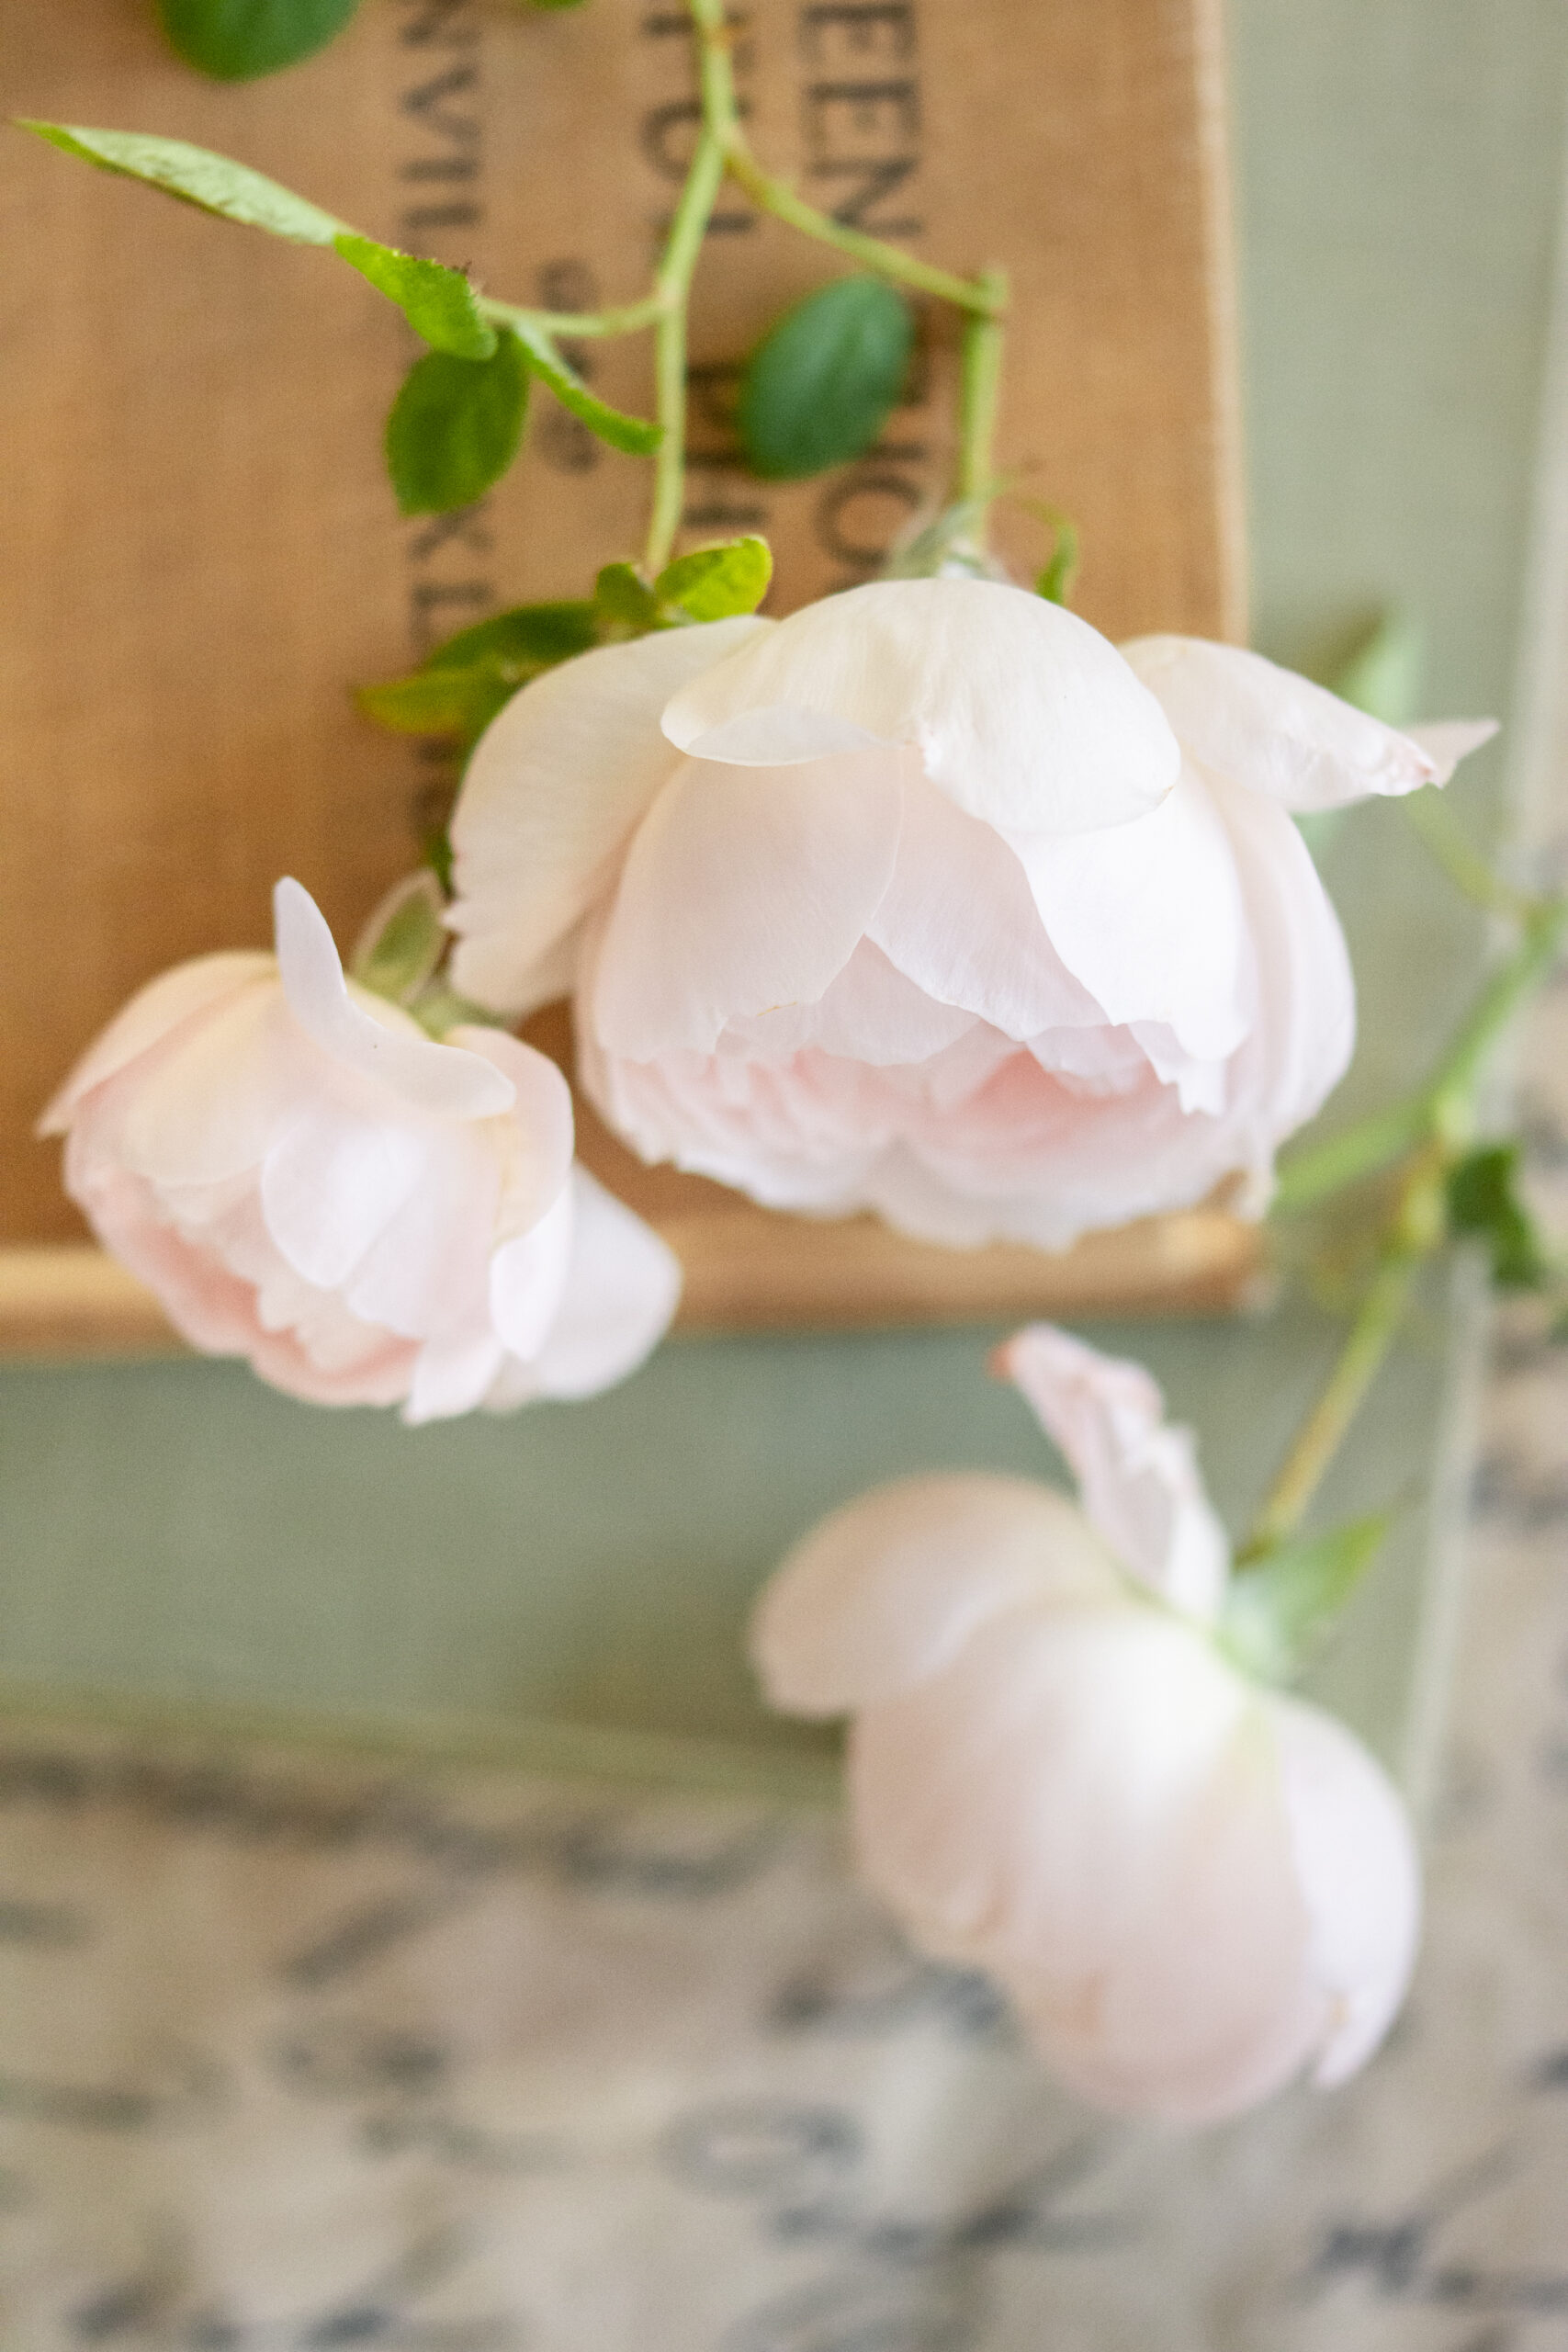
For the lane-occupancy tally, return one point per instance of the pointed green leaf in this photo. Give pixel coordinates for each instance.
(1276, 1612)
(1056, 582)
(821, 384)
(403, 943)
(197, 176)
(1382, 673)
(455, 704)
(460, 688)
(455, 427)
(624, 600)
(437, 302)
(713, 583)
(527, 639)
(236, 40)
(633, 434)
(1482, 1199)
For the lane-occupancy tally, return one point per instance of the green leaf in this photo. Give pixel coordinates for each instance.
(1382, 673)
(821, 384)
(634, 434)
(236, 40)
(197, 176)
(624, 600)
(439, 703)
(403, 943)
(713, 583)
(466, 682)
(1277, 1612)
(527, 639)
(1482, 1199)
(455, 427)
(437, 302)
(1056, 582)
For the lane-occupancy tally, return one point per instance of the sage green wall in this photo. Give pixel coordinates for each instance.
(176, 1529)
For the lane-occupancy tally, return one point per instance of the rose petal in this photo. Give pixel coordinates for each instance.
(538, 1138)
(885, 1592)
(622, 1287)
(745, 889)
(367, 1035)
(1149, 918)
(1021, 713)
(1244, 718)
(1445, 741)
(528, 1278)
(1303, 1031)
(1355, 1859)
(153, 1013)
(1138, 1477)
(554, 788)
(959, 920)
(331, 1183)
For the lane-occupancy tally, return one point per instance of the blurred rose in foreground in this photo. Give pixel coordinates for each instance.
(928, 900)
(1194, 1889)
(306, 1180)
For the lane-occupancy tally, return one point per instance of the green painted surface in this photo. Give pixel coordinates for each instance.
(173, 1530)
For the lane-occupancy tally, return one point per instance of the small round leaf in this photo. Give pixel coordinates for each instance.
(822, 383)
(455, 427)
(234, 40)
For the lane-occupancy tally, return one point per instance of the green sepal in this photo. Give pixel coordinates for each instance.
(462, 685)
(437, 302)
(823, 382)
(236, 41)
(634, 435)
(455, 427)
(1483, 1201)
(195, 176)
(714, 583)
(624, 602)
(402, 944)
(1280, 1609)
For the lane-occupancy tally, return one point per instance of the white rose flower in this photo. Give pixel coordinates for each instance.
(306, 1180)
(1193, 1887)
(928, 900)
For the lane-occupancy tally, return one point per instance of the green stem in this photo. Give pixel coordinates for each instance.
(629, 318)
(980, 386)
(1433, 821)
(1443, 1107)
(690, 225)
(775, 195)
(1319, 1438)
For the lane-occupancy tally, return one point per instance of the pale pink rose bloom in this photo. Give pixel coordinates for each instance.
(927, 900)
(307, 1179)
(1194, 1888)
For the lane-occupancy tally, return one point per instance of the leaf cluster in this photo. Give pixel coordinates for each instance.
(459, 688)
(457, 421)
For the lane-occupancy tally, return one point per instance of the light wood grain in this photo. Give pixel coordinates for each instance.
(202, 553)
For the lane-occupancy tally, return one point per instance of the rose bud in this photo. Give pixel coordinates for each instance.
(928, 900)
(307, 1179)
(1193, 1888)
